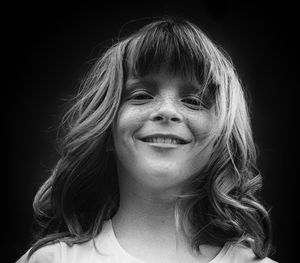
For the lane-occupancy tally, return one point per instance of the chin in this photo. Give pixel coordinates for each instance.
(163, 172)
(162, 166)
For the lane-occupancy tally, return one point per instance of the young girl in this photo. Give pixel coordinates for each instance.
(157, 163)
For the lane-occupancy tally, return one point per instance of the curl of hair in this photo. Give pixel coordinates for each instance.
(82, 191)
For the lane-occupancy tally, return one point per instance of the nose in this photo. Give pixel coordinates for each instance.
(167, 111)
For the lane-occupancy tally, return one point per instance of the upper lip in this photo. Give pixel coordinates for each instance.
(165, 135)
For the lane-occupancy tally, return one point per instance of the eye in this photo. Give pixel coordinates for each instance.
(193, 102)
(140, 96)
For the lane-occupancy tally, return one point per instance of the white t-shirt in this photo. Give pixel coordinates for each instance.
(108, 250)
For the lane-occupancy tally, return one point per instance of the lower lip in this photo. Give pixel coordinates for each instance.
(162, 145)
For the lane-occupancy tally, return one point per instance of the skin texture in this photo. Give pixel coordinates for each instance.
(150, 175)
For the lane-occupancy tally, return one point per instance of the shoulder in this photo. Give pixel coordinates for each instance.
(47, 254)
(60, 252)
(242, 254)
(96, 249)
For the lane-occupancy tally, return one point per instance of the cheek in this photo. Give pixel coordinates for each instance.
(203, 147)
(201, 126)
(128, 120)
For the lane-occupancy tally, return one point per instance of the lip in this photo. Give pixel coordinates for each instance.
(164, 135)
(163, 145)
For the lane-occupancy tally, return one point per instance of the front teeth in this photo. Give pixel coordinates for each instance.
(162, 140)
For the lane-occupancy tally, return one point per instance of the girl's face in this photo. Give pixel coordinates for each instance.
(161, 131)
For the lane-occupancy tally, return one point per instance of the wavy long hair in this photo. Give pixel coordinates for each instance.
(222, 204)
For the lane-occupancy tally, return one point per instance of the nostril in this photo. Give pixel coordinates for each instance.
(165, 118)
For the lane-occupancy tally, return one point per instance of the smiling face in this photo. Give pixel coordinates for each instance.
(161, 131)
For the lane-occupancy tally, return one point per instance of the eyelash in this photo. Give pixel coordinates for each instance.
(194, 102)
(137, 96)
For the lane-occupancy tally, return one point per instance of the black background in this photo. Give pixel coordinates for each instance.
(49, 48)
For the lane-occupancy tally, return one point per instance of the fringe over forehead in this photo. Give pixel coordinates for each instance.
(175, 45)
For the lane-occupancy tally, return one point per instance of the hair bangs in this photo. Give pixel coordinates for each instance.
(167, 46)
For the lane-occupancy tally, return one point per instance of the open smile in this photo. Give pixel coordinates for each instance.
(164, 141)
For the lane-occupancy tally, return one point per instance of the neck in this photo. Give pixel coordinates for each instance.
(147, 213)
(145, 223)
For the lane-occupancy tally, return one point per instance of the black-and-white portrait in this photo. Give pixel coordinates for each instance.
(146, 133)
